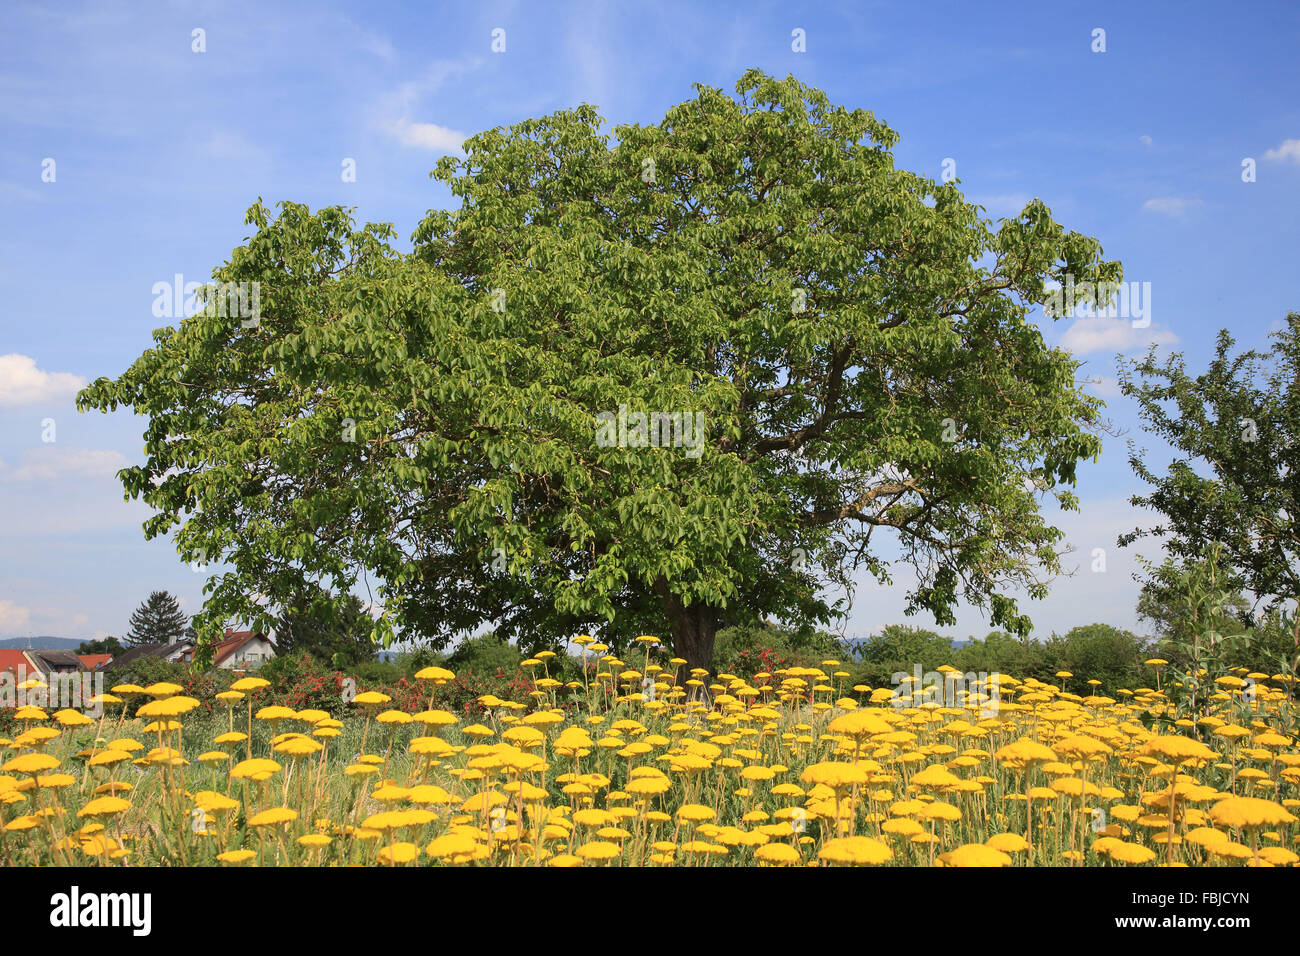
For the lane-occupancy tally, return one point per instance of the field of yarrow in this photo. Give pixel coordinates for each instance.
(647, 764)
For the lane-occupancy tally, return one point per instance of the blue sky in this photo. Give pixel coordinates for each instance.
(158, 151)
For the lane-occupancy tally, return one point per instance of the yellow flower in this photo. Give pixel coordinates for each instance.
(273, 817)
(856, 850)
(1177, 749)
(975, 854)
(104, 806)
(236, 856)
(1133, 853)
(1246, 813)
(599, 850)
(31, 764)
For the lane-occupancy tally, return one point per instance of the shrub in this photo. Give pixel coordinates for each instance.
(1100, 652)
(486, 653)
(898, 648)
(747, 650)
(1002, 653)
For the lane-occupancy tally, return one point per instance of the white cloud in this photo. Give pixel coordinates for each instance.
(52, 462)
(394, 110)
(373, 43)
(12, 617)
(1112, 335)
(1171, 206)
(1005, 204)
(1289, 150)
(430, 136)
(1145, 140)
(22, 383)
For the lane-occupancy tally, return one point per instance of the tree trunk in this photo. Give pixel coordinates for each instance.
(693, 629)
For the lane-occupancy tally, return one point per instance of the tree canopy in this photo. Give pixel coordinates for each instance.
(158, 620)
(1235, 432)
(1167, 600)
(105, 645)
(855, 341)
(312, 624)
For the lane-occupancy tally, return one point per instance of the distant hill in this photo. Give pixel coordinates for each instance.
(43, 643)
(956, 642)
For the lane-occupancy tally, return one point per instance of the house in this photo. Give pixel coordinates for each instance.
(53, 662)
(134, 653)
(237, 650)
(15, 663)
(180, 650)
(243, 650)
(94, 662)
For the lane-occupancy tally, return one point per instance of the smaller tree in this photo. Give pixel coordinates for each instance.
(1235, 431)
(1163, 601)
(336, 631)
(741, 647)
(1001, 652)
(1275, 644)
(484, 654)
(900, 648)
(159, 620)
(1207, 629)
(106, 645)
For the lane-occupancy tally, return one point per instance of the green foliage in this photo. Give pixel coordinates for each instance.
(107, 645)
(1236, 429)
(301, 682)
(1093, 651)
(146, 670)
(1274, 644)
(858, 339)
(1101, 652)
(484, 654)
(1001, 653)
(418, 658)
(334, 630)
(1207, 631)
(899, 648)
(1163, 601)
(158, 620)
(377, 672)
(284, 667)
(748, 649)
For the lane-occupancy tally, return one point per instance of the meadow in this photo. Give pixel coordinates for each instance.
(643, 763)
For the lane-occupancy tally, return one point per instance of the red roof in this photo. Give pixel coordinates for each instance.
(12, 660)
(93, 662)
(233, 642)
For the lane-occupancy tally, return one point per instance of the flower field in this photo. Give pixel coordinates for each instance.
(648, 765)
